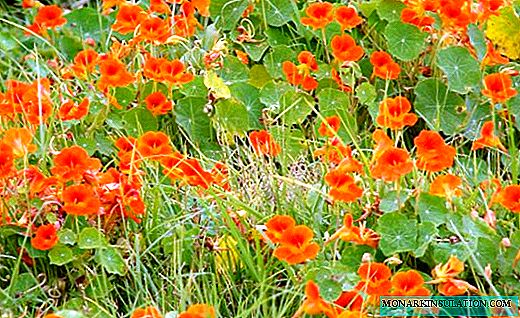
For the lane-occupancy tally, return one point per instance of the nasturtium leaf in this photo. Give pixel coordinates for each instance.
(195, 88)
(335, 102)
(67, 236)
(87, 143)
(277, 12)
(478, 41)
(330, 289)
(228, 11)
(191, 117)
(216, 85)
(272, 92)
(389, 10)
(366, 93)
(398, 233)
(440, 108)
(426, 233)
(461, 69)
(91, 238)
(274, 59)
(232, 115)
(292, 142)
(138, 120)
(233, 71)
(393, 201)
(487, 252)
(504, 31)
(258, 76)
(277, 36)
(295, 107)
(69, 46)
(60, 255)
(88, 23)
(352, 256)
(250, 97)
(68, 313)
(443, 250)
(110, 258)
(405, 41)
(255, 50)
(469, 227)
(432, 209)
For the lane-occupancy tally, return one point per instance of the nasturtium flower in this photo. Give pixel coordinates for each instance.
(113, 74)
(409, 283)
(277, 225)
(345, 49)
(330, 126)
(199, 311)
(70, 110)
(158, 104)
(128, 18)
(384, 66)
(146, 312)
(319, 15)
(154, 145)
(433, 154)
(392, 164)
(488, 138)
(80, 200)
(159, 6)
(154, 30)
(509, 198)
(301, 74)
(394, 113)
(263, 143)
(498, 87)
(360, 235)
(347, 17)
(350, 300)
(296, 245)
(343, 187)
(375, 279)
(314, 304)
(85, 63)
(20, 141)
(447, 186)
(72, 163)
(45, 237)
(48, 17)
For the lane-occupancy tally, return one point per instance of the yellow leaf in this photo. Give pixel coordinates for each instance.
(216, 85)
(504, 32)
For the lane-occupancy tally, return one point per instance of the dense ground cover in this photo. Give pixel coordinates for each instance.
(267, 158)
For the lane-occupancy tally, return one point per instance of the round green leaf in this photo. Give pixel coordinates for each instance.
(278, 12)
(426, 233)
(274, 59)
(461, 69)
(432, 209)
(441, 109)
(405, 41)
(91, 238)
(250, 97)
(232, 115)
(295, 107)
(192, 118)
(335, 102)
(272, 92)
(111, 260)
(139, 120)
(389, 10)
(398, 234)
(60, 255)
(67, 236)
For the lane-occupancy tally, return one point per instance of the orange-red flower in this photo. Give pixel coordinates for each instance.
(509, 197)
(154, 145)
(493, 57)
(80, 200)
(50, 16)
(185, 25)
(374, 279)
(488, 138)
(277, 225)
(433, 154)
(263, 143)
(447, 185)
(347, 17)
(154, 30)
(313, 303)
(334, 151)
(159, 6)
(296, 246)
(85, 62)
(498, 87)
(392, 164)
(174, 72)
(330, 126)
(158, 104)
(384, 66)
(113, 74)
(409, 283)
(350, 300)
(20, 141)
(70, 110)
(444, 275)
(128, 18)
(199, 311)
(146, 312)
(301, 74)
(383, 142)
(358, 235)
(343, 186)
(45, 237)
(319, 15)
(394, 113)
(345, 49)
(73, 162)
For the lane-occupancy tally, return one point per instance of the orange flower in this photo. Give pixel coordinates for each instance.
(498, 87)
(345, 49)
(488, 138)
(277, 225)
(357, 235)
(154, 145)
(20, 140)
(374, 279)
(330, 126)
(408, 283)
(313, 303)
(319, 15)
(392, 164)
(416, 17)
(194, 174)
(455, 287)
(301, 74)
(337, 78)
(199, 311)
(296, 246)
(80, 200)
(113, 74)
(174, 73)
(185, 25)
(343, 186)
(394, 113)
(433, 154)
(52, 316)
(159, 6)
(50, 16)
(446, 186)
(28, 4)
(128, 18)
(242, 56)
(263, 143)
(384, 66)
(73, 162)
(220, 174)
(85, 62)
(509, 198)
(45, 237)
(347, 17)
(334, 152)
(146, 312)
(350, 300)
(452, 268)
(493, 57)
(456, 14)
(69, 110)
(383, 142)
(157, 104)
(152, 68)
(154, 30)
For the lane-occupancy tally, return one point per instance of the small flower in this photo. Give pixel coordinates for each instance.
(498, 87)
(394, 113)
(345, 49)
(296, 246)
(158, 104)
(45, 237)
(409, 283)
(80, 200)
(347, 17)
(146, 312)
(199, 311)
(392, 164)
(384, 66)
(488, 138)
(319, 15)
(432, 152)
(446, 185)
(263, 143)
(330, 126)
